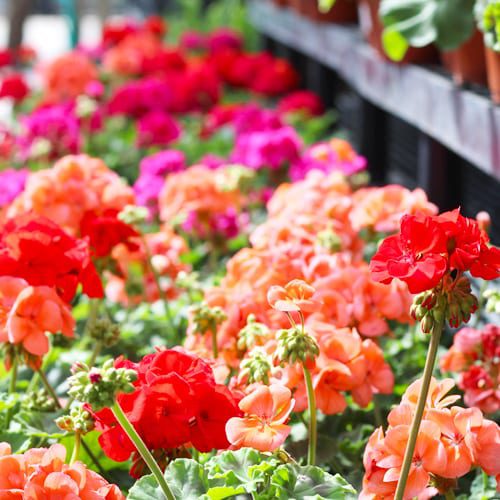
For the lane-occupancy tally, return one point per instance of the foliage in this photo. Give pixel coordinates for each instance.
(245, 471)
(417, 23)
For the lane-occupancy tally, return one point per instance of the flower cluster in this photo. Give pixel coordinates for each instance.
(174, 391)
(42, 473)
(475, 356)
(451, 441)
(73, 187)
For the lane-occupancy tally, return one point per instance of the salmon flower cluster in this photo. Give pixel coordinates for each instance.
(42, 473)
(74, 186)
(451, 441)
(475, 358)
(200, 200)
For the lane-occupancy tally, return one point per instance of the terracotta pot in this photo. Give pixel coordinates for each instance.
(372, 28)
(467, 63)
(493, 70)
(298, 5)
(344, 11)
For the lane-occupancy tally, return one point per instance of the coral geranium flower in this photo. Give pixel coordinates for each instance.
(36, 311)
(296, 296)
(263, 428)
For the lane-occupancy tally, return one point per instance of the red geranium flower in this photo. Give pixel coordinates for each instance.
(38, 250)
(416, 256)
(176, 403)
(105, 231)
(14, 86)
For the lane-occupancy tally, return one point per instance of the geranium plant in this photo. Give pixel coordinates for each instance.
(417, 23)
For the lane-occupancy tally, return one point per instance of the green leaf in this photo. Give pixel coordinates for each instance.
(146, 489)
(395, 44)
(483, 487)
(187, 479)
(246, 467)
(291, 481)
(448, 23)
(221, 492)
(325, 5)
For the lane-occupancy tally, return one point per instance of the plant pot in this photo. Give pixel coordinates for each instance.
(299, 6)
(467, 63)
(344, 11)
(372, 29)
(281, 3)
(493, 72)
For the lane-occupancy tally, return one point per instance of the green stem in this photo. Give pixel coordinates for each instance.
(95, 352)
(215, 349)
(13, 376)
(94, 459)
(156, 277)
(142, 449)
(379, 422)
(92, 317)
(313, 432)
(49, 388)
(76, 448)
(419, 410)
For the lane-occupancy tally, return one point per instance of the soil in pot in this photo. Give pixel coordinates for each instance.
(467, 63)
(493, 70)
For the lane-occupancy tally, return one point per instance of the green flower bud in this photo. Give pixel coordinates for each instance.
(133, 215)
(85, 106)
(105, 331)
(329, 240)
(257, 367)
(251, 333)
(189, 282)
(206, 318)
(235, 178)
(295, 345)
(79, 419)
(99, 386)
(39, 400)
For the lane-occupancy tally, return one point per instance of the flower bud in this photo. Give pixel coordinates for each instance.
(329, 240)
(99, 386)
(80, 419)
(251, 334)
(295, 345)
(257, 367)
(40, 401)
(133, 215)
(206, 318)
(427, 323)
(105, 331)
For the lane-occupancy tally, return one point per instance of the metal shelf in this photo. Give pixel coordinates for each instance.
(464, 121)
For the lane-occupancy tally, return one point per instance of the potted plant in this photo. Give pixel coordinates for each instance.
(372, 29)
(449, 24)
(335, 11)
(488, 18)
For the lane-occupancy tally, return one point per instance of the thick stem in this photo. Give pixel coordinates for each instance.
(156, 277)
(76, 448)
(49, 388)
(313, 432)
(215, 349)
(419, 410)
(142, 449)
(13, 376)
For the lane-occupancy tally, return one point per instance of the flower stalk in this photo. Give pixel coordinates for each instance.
(430, 361)
(76, 448)
(49, 388)
(313, 430)
(142, 449)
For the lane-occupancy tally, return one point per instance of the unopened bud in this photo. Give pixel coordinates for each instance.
(295, 345)
(133, 215)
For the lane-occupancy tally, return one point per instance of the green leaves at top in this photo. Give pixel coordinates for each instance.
(417, 23)
(240, 474)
